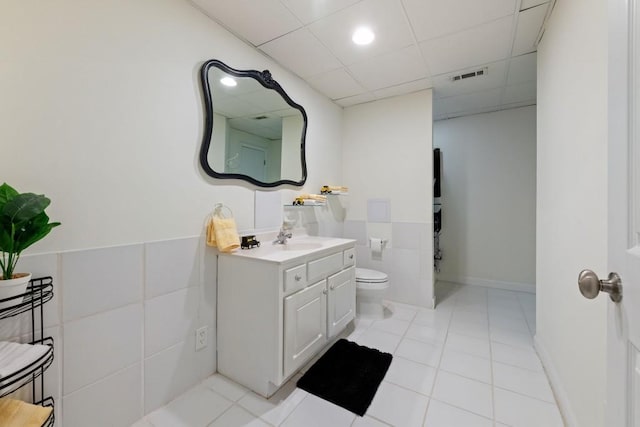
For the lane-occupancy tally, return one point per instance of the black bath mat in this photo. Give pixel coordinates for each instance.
(347, 375)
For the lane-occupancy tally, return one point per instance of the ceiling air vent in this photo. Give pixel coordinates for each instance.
(470, 74)
(260, 117)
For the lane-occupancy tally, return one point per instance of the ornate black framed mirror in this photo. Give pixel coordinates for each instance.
(253, 130)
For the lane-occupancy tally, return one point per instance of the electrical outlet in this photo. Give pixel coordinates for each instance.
(201, 337)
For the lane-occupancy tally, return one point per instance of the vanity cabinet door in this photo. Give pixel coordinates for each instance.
(341, 300)
(305, 320)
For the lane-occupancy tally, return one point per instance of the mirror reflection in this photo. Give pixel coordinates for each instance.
(253, 131)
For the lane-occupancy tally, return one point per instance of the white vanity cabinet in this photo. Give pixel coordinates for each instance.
(279, 306)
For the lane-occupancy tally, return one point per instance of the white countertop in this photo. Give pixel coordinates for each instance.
(297, 246)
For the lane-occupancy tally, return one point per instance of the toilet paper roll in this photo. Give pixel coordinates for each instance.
(376, 245)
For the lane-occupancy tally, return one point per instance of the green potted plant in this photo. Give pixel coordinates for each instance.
(23, 222)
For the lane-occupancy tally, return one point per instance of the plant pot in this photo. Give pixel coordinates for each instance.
(13, 287)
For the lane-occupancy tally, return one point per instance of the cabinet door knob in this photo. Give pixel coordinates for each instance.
(351, 256)
(332, 287)
(298, 277)
(324, 291)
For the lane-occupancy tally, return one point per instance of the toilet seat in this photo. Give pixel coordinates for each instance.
(370, 279)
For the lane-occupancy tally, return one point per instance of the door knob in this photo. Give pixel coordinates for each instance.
(590, 286)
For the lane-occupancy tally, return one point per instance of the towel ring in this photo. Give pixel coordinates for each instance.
(220, 210)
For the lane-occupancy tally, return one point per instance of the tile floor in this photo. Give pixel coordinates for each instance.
(470, 362)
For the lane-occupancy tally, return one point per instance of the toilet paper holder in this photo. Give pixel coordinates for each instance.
(377, 244)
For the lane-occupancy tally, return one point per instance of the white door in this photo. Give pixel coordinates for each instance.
(253, 162)
(305, 325)
(623, 318)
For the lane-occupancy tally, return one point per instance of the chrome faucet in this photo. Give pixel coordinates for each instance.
(282, 237)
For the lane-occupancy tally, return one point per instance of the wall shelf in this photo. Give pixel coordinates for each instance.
(40, 291)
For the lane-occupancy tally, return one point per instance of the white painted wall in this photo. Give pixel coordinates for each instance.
(489, 198)
(102, 111)
(387, 154)
(571, 207)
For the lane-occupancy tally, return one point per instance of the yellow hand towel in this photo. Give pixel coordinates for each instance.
(222, 232)
(211, 233)
(15, 413)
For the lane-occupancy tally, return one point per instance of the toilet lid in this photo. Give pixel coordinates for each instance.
(370, 276)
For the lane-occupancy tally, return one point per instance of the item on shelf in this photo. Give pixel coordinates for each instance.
(310, 199)
(15, 357)
(23, 222)
(16, 413)
(333, 189)
(249, 242)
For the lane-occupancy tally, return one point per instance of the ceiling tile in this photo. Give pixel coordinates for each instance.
(403, 88)
(435, 18)
(480, 45)
(522, 69)
(494, 77)
(354, 100)
(302, 53)
(309, 11)
(336, 84)
(400, 66)
(529, 23)
(384, 17)
(470, 103)
(519, 93)
(255, 21)
(527, 4)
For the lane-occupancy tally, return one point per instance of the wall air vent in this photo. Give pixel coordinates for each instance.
(470, 74)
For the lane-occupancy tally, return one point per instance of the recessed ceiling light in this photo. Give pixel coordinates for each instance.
(363, 36)
(228, 81)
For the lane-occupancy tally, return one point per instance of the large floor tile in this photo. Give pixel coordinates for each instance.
(225, 387)
(442, 415)
(381, 340)
(198, 407)
(529, 383)
(316, 412)
(515, 339)
(368, 422)
(421, 352)
(426, 333)
(411, 375)
(466, 365)
(516, 410)
(392, 325)
(464, 393)
(478, 330)
(278, 407)
(467, 344)
(237, 417)
(398, 406)
(515, 356)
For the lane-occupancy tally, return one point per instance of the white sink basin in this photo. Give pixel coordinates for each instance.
(297, 246)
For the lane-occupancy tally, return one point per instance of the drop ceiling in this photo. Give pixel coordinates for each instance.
(419, 44)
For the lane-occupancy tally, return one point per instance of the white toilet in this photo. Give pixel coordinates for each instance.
(371, 287)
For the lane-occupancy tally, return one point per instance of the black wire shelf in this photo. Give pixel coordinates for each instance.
(39, 291)
(28, 373)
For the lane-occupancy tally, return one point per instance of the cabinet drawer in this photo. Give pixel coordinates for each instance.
(349, 257)
(295, 278)
(322, 267)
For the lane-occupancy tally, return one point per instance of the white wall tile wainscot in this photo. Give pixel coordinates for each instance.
(123, 319)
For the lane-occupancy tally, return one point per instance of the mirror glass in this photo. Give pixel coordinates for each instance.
(253, 130)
